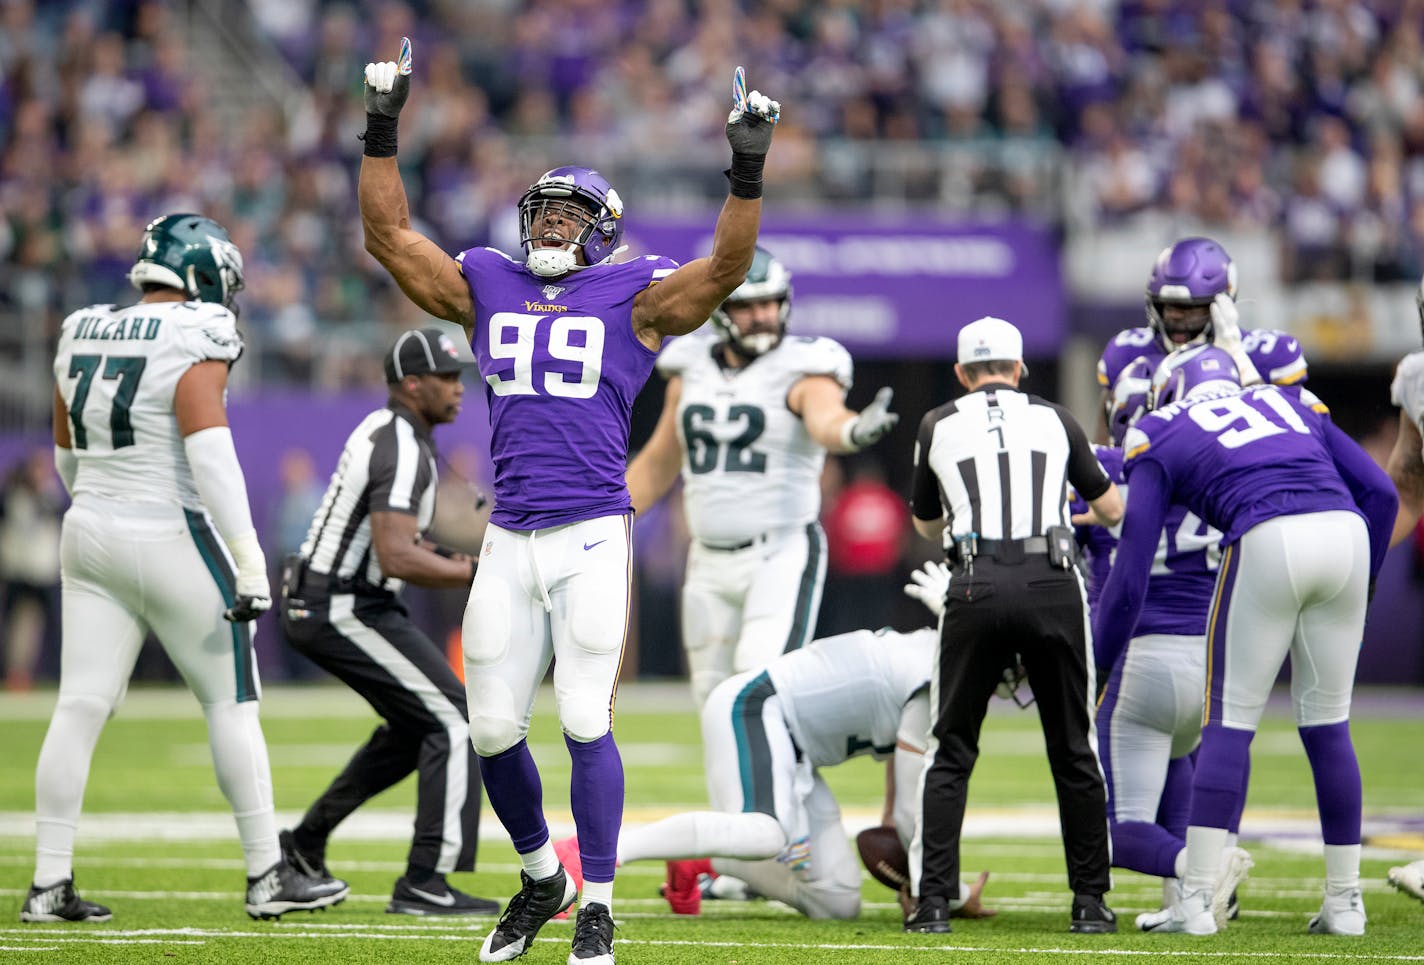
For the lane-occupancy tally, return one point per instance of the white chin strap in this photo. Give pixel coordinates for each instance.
(551, 262)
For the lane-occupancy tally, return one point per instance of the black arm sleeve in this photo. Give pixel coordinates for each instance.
(925, 501)
(1084, 471)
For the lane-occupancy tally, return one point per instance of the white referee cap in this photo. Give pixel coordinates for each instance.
(990, 339)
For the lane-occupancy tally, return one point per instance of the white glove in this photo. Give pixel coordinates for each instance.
(930, 584)
(254, 593)
(871, 424)
(1226, 335)
(388, 84)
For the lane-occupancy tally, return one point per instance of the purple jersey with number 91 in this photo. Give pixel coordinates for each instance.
(561, 366)
(1240, 459)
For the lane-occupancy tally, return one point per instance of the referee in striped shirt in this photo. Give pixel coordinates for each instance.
(991, 478)
(341, 608)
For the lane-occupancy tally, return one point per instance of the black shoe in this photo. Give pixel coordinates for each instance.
(1233, 907)
(282, 888)
(593, 935)
(535, 903)
(1091, 916)
(61, 903)
(310, 863)
(931, 917)
(435, 897)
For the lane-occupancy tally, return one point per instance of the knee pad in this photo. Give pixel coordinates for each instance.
(827, 901)
(495, 726)
(90, 709)
(586, 719)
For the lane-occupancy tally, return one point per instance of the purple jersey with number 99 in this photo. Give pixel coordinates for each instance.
(562, 366)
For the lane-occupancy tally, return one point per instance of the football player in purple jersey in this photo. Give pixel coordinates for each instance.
(1149, 717)
(1191, 300)
(565, 338)
(1306, 516)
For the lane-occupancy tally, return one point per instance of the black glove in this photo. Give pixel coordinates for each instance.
(749, 132)
(247, 609)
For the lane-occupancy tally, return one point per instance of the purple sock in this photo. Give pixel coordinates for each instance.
(1176, 805)
(1224, 755)
(1337, 781)
(1144, 847)
(512, 782)
(596, 797)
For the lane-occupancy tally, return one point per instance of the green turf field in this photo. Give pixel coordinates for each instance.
(158, 847)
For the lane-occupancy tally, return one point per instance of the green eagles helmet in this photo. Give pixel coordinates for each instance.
(766, 279)
(192, 254)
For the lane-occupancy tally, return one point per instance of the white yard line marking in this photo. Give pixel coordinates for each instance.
(186, 936)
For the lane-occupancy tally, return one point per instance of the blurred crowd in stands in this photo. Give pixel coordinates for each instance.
(1304, 117)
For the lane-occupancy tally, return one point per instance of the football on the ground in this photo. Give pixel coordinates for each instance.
(884, 857)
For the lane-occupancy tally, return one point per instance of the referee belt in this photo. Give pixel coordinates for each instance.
(1002, 550)
(301, 581)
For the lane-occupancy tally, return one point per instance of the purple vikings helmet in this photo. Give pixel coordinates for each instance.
(1192, 371)
(1190, 272)
(1129, 398)
(578, 194)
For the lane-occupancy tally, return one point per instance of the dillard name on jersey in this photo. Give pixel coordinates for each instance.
(106, 328)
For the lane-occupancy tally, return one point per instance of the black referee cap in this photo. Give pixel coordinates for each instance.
(423, 351)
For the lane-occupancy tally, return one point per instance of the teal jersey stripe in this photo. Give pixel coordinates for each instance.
(211, 552)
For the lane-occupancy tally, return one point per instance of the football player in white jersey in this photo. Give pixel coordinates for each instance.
(748, 418)
(766, 734)
(1406, 469)
(159, 538)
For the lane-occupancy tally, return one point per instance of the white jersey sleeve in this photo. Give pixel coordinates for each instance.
(844, 696)
(1407, 390)
(117, 370)
(683, 352)
(815, 355)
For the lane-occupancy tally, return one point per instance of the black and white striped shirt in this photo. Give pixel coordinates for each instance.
(388, 465)
(997, 463)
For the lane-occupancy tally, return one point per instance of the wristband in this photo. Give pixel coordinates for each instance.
(380, 136)
(744, 175)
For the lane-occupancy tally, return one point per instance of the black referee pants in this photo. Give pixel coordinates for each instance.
(1037, 611)
(371, 645)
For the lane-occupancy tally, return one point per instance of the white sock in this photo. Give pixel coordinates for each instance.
(1204, 847)
(1231, 838)
(600, 892)
(245, 779)
(1179, 866)
(1342, 868)
(60, 777)
(704, 834)
(541, 862)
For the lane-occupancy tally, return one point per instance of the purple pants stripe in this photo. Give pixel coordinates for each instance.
(1216, 633)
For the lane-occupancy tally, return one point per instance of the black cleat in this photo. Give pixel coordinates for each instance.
(310, 863)
(931, 917)
(1091, 916)
(593, 936)
(435, 897)
(534, 904)
(282, 888)
(61, 903)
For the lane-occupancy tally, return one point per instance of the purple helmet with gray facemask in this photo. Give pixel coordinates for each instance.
(1192, 371)
(576, 194)
(1129, 398)
(1190, 272)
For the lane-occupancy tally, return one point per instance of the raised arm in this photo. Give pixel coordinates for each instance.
(653, 470)
(685, 299)
(428, 276)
